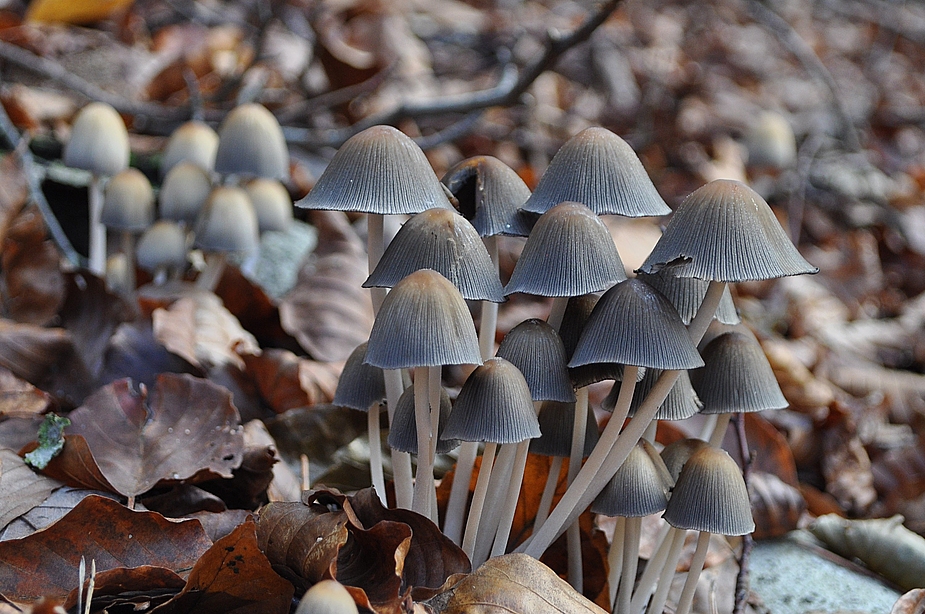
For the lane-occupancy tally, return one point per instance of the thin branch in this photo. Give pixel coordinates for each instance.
(794, 43)
(21, 147)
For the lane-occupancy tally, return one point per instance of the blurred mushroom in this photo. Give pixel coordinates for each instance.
(327, 597)
(193, 142)
(183, 193)
(161, 250)
(128, 207)
(251, 144)
(227, 225)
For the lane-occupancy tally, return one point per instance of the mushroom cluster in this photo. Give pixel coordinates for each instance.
(641, 332)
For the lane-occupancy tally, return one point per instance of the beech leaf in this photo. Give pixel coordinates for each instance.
(22, 487)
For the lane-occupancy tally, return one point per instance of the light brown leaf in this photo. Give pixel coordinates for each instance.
(286, 381)
(22, 487)
(59, 503)
(20, 398)
(30, 351)
(253, 308)
(45, 563)
(187, 427)
(516, 584)
(74, 465)
(776, 505)
(912, 602)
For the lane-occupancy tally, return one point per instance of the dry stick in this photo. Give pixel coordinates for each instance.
(600, 467)
(693, 574)
(498, 487)
(653, 567)
(478, 499)
(510, 503)
(632, 530)
(615, 560)
(549, 491)
(657, 605)
(424, 478)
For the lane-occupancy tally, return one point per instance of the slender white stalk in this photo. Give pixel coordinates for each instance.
(549, 491)
(576, 575)
(434, 375)
(719, 431)
(615, 561)
(489, 319)
(494, 499)
(630, 562)
(97, 249)
(557, 311)
(478, 499)
(401, 461)
(690, 584)
(573, 535)
(651, 431)
(510, 502)
(657, 605)
(215, 267)
(376, 475)
(424, 478)
(128, 250)
(709, 425)
(653, 567)
(459, 492)
(375, 246)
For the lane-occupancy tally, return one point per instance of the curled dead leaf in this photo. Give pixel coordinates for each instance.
(912, 602)
(286, 381)
(776, 505)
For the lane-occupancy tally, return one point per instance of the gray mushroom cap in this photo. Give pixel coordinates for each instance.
(710, 495)
(676, 454)
(403, 434)
(184, 192)
(128, 202)
(736, 377)
(557, 420)
(272, 204)
(639, 487)
(360, 384)
(724, 231)
(634, 324)
(379, 170)
(599, 169)
(442, 240)
(681, 403)
(194, 142)
(569, 252)
(228, 222)
(423, 322)
(490, 194)
(494, 405)
(99, 141)
(534, 347)
(162, 245)
(251, 143)
(686, 294)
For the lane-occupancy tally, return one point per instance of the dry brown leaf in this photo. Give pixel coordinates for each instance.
(912, 602)
(899, 474)
(13, 192)
(20, 398)
(74, 465)
(248, 486)
(22, 487)
(328, 311)
(516, 584)
(846, 468)
(45, 563)
(253, 308)
(64, 11)
(188, 426)
(59, 503)
(31, 351)
(134, 353)
(286, 381)
(200, 330)
(33, 286)
(151, 581)
(776, 505)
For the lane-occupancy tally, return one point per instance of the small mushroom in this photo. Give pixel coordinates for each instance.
(128, 207)
(194, 142)
(161, 250)
(227, 225)
(327, 597)
(251, 144)
(183, 193)
(272, 204)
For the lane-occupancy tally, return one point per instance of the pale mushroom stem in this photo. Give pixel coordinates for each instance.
(510, 502)
(573, 536)
(657, 605)
(690, 584)
(573, 546)
(424, 478)
(557, 311)
(615, 561)
(478, 499)
(489, 318)
(459, 492)
(97, 249)
(434, 375)
(653, 567)
(215, 266)
(401, 461)
(709, 425)
(651, 431)
(374, 248)
(719, 430)
(549, 491)
(377, 477)
(491, 511)
(128, 248)
(630, 562)
(600, 468)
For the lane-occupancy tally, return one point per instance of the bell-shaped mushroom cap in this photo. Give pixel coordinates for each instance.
(442, 240)
(379, 170)
(228, 222)
(250, 142)
(710, 495)
(490, 194)
(736, 377)
(681, 402)
(99, 141)
(128, 202)
(163, 245)
(598, 169)
(634, 324)
(494, 405)
(675, 454)
(183, 193)
(686, 294)
(725, 231)
(569, 252)
(638, 488)
(534, 347)
(423, 322)
(403, 433)
(193, 142)
(360, 385)
(557, 420)
(272, 204)
(327, 597)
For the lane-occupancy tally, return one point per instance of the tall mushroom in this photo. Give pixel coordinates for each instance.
(128, 208)
(227, 225)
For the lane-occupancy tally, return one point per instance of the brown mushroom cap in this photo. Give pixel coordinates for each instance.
(569, 252)
(403, 432)
(250, 142)
(600, 170)
(494, 405)
(272, 204)
(423, 322)
(163, 244)
(442, 240)
(534, 347)
(228, 222)
(724, 231)
(193, 142)
(710, 495)
(99, 141)
(360, 384)
(638, 488)
(557, 420)
(379, 170)
(128, 202)
(184, 192)
(490, 194)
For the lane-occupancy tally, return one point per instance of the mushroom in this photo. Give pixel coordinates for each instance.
(251, 143)
(227, 224)
(161, 250)
(99, 144)
(183, 193)
(272, 204)
(403, 434)
(128, 207)
(194, 142)
(327, 597)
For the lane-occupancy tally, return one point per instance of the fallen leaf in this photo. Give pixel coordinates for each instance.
(33, 286)
(134, 353)
(30, 351)
(846, 468)
(59, 503)
(184, 500)
(776, 505)
(253, 308)
(149, 580)
(64, 11)
(20, 398)
(516, 584)
(187, 427)
(45, 563)
(247, 488)
(328, 311)
(22, 488)
(912, 602)
(14, 190)
(302, 537)
(75, 465)
(233, 576)
(317, 431)
(286, 381)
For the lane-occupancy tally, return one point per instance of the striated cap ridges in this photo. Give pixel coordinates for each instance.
(360, 384)
(490, 195)
(534, 347)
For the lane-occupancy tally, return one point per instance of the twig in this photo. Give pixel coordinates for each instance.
(741, 592)
(794, 43)
(20, 145)
(333, 98)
